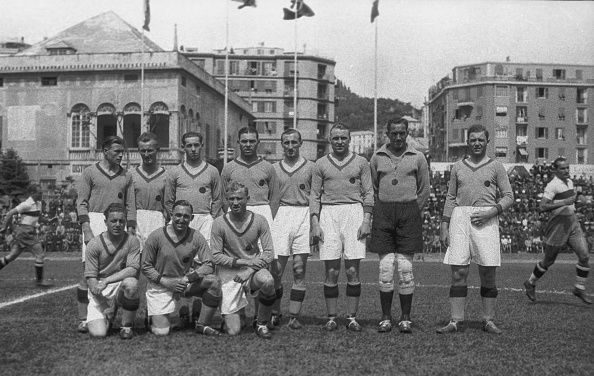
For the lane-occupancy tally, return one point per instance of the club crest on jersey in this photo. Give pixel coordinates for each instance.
(202, 190)
(186, 259)
(262, 182)
(487, 183)
(158, 198)
(394, 181)
(120, 195)
(301, 186)
(352, 180)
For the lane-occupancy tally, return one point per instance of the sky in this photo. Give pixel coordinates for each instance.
(419, 42)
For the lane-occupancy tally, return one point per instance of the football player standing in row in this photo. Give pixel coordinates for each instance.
(241, 265)
(101, 184)
(479, 190)
(166, 260)
(562, 229)
(112, 262)
(341, 203)
(401, 180)
(291, 226)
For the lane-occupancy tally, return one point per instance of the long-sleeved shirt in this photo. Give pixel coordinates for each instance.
(228, 244)
(97, 190)
(294, 185)
(203, 189)
(334, 184)
(400, 179)
(163, 257)
(478, 186)
(259, 178)
(149, 190)
(103, 260)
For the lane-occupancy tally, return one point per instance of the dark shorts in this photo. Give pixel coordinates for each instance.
(397, 228)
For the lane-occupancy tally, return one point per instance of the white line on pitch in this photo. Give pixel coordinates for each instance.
(38, 295)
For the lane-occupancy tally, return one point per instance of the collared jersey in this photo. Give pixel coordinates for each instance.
(478, 186)
(202, 189)
(149, 189)
(228, 243)
(164, 257)
(558, 190)
(400, 179)
(334, 184)
(30, 210)
(97, 190)
(103, 260)
(294, 185)
(259, 178)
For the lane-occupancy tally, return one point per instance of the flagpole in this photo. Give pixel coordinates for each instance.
(295, 75)
(142, 84)
(375, 92)
(225, 130)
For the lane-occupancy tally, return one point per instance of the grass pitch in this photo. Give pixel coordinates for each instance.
(555, 335)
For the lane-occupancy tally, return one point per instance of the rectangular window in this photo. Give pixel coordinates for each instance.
(541, 133)
(501, 91)
(582, 95)
(542, 92)
(579, 74)
(269, 107)
(220, 69)
(501, 133)
(581, 115)
(541, 113)
(538, 74)
(521, 114)
(581, 156)
(542, 153)
(266, 127)
(582, 136)
(521, 94)
(455, 94)
(501, 152)
(561, 113)
(479, 91)
(501, 111)
(49, 81)
(562, 93)
(233, 67)
(1, 81)
(519, 73)
(559, 134)
(559, 74)
(255, 106)
(130, 77)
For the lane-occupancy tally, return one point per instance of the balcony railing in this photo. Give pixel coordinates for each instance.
(521, 140)
(322, 116)
(522, 119)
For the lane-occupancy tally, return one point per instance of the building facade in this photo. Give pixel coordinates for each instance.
(264, 77)
(533, 112)
(362, 142)
(60, 99)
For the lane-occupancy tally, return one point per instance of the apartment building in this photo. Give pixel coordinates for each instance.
(265, 77)
(532, 111)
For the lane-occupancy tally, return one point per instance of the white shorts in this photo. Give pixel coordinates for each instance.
(97, 223)
(472, 243)
(147, 221)
(290, 231)
(98, 304)
(160, 301)
(234, 294)
(263, 210)
(203, 224)
(340, 225)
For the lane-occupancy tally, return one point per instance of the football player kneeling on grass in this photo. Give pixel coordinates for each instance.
(167, 257)
(112, 262)
(241, 266)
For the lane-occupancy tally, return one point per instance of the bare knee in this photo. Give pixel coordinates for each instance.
(298, 270)
(352, 273)
(459, 275)
(130, 286)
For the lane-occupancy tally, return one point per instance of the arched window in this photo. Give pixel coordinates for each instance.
(80, 123)
(132, 124)
(191, 122)
(159, 122)
(106, 122)
(183, 120)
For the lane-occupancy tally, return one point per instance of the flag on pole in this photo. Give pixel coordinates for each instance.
(301, 10)
(374, 10)
(147, 15)
(246, 3)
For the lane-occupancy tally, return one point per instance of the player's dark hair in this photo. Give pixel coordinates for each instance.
(400, 120)
(247, 130)
(478, 128)
(235, 186)
(290, 131)
(115, 207)
(112, 140)
(189, 135)
(558, 160)
(341, 127)
(185, 203)
(147, 137)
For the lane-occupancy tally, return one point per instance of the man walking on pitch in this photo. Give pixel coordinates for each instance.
(341, 202)
(101, 184)
(470, 227)
(112, 262)
(401, 181)
(291, 226)
(562, 228)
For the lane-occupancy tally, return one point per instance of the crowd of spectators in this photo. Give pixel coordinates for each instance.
(521, 226)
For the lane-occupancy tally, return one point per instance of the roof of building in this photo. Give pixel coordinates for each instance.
(104, 33)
